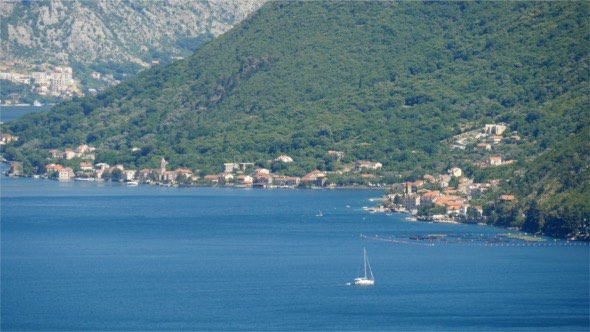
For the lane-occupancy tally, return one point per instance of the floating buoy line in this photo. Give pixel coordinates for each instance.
(377, 238)
(482, 240)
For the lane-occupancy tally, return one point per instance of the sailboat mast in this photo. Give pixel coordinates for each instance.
(370, 270)
(365, 261)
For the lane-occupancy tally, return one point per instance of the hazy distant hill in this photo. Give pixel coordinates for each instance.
(113, 34)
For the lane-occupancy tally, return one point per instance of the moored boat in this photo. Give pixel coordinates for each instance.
(368, 279)
(84, 179)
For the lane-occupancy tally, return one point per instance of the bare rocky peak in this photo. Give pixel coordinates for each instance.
(111, 30)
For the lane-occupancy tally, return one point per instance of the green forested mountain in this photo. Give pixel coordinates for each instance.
(554, 189)
(383, 81)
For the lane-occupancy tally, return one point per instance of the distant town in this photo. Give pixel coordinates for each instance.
(242, 174)
(44, 80)
(446, 197)
(54, 82)
(440, 198)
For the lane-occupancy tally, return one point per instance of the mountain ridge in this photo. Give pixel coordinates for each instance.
(407, 92)
(119, 31)
(385, 82)
(106, 42)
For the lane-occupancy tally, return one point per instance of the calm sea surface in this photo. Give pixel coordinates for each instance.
(102, 256)
(9, 113)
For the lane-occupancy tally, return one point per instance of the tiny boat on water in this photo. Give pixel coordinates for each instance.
(84, 179)
(368, 279)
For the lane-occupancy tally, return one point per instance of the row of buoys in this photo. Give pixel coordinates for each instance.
(559, 244)
(376, 238)
(471, 243)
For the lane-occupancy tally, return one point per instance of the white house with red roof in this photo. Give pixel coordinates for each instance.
(65, 174)
(495, 161)
(86, 166)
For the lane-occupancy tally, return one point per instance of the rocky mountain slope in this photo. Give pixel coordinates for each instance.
(112, 31)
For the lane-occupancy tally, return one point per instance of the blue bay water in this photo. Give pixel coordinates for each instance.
(103, 256)
(9, 113)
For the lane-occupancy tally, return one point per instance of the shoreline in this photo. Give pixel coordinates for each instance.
(408, 216)
(232, 186)
(340, 188)
(195, 185)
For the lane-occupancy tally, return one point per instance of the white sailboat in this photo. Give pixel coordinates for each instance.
(368, 279)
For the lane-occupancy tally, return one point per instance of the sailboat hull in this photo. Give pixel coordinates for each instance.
(364, 282)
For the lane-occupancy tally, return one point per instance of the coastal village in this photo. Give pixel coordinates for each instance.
(45, 80)
(56, 82)
(445, 197)
(440, 197)
(240, 175)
